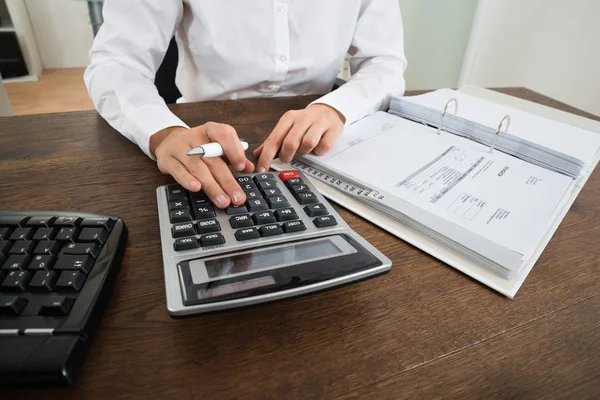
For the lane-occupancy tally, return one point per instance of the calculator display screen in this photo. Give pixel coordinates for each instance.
(272, 257)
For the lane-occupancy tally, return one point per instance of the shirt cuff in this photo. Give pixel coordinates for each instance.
(350, 104)
(148, 120)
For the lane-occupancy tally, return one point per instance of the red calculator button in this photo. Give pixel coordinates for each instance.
(285, 175)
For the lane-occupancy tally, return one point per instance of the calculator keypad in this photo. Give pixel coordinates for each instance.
(267, 212)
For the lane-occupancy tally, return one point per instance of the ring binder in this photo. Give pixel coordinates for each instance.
(452, 100)
(507, 119)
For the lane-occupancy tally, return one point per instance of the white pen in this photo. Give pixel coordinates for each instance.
(213, 149)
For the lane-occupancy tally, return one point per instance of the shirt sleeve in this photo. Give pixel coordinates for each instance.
(124, 58)
(377, 62)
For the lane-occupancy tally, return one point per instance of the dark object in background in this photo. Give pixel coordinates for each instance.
(12, 63)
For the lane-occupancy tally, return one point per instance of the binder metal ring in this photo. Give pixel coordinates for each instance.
(505, 119)
(452, 100)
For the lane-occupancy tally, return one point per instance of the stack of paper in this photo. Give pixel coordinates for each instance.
(534, 139)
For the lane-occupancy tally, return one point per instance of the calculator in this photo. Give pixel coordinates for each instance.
(286, 240)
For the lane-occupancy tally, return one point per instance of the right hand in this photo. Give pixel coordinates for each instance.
(212, 175)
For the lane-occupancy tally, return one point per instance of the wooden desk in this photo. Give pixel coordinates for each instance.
(423, 330)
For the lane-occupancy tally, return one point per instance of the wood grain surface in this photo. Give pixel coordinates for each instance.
(424, 330)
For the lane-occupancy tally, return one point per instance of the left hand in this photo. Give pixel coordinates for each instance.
(316, 128)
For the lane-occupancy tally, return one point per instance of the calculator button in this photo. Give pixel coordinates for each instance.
(248, 187)
(16, 281)
(278, 202)
(240, 221)
(315, 210)
(196, 203)
(66, 235)
(95, 235)
(266, 185)
(285, 175)
(204, 212)
(233, 210)
(12, 305)
(91, 249)
(307, 198)
(294, 226)
(299, 189)
(199, 195)
(253, 194)
(56, 306)
(48, 247)
(286, 214)
(12, 220)
(270, 230)
(208, 226)
(41, 263)
(212, 239)
(264, 217)
(176, 192)
(257, 205)
(185, 244)
(43, 281)
(23, 247)
(83, 263)
(40, 222)
(183, 230)
(179, 216)
(22, 234)
(327, 220)
(16, 263)
(5, 247)
(99, 222)
(4, 233)
(243, 179)
(293, 182)
(247, 234)
(178, 204)
(70, 281)
(264, 178)
(44, 234)
(67, 221)
(272, 192)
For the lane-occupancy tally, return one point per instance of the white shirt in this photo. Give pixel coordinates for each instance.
(230, 49)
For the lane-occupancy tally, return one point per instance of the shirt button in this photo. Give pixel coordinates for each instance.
(280, 9)
(282, 58)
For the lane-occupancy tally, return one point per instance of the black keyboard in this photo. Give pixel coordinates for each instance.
(57, 271)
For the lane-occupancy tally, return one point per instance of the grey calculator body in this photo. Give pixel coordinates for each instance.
(282, 243)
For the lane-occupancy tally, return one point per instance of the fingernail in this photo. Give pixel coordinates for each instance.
(193, 185)
(261, 170)
(221, 199)
(237, 196)
(240, 166)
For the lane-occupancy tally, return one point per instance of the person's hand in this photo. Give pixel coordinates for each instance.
(212, 175)
(316, 128)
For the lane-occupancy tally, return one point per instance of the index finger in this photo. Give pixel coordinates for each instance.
(227, 137)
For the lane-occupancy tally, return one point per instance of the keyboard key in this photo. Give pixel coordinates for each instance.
(12, 306)
(83, 263)
(294, 226)
(15, 281)
(247, 234)
(278, 202)
(264, 178)
(233, 210)
(40, 222)
(307, 198)
(293, 182)
(66, 235)
(91, 249)
(102, 222)
(41, 263)
(23, 247)
(70, 281)
(286, 175)
(48, 247)
(327, 220)
(176, 192)
(264, 217)
(200, 195)
(94, 235)
(185, 244)
(56, 306)
(5, 247)
(67, 221)
(243, 179)
(5, 232)
(204, 212)
(315, 210)
(180, 216)
(253, 194)
(44, 234)
(43, 281)
(22, 234)
(240, 221)
(270, 230)
(266, 185)
(16, 263)
(208, 226)
(183, 230)
(257, 205)
(200, 203)
(248, 187)
(286, 214)
(178, 204)
(272, 192)
(299, 189)
(212, 239)
(12, 221)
